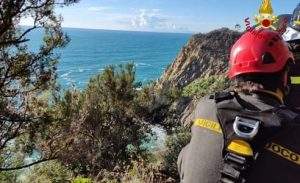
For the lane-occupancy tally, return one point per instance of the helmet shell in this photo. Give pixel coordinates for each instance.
(258, 51)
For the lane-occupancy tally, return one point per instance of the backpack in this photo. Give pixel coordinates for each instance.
(246, 131)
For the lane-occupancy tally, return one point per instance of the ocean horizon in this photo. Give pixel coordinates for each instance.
(100, 29)
(91, 50)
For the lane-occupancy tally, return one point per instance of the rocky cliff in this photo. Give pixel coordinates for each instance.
(204, 54)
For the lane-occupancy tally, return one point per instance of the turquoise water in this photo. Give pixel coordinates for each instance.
(91, 50)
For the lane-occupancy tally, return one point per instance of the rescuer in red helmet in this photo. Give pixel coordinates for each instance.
(247, 134)
(292, 37)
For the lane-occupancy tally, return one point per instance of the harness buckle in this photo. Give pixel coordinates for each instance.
(245, 127)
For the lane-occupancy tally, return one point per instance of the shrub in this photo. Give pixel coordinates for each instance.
(206, 85)
(82, 180)
(99, 127)
(100, 131)
(26, 73)
(174, 143)
(48, 172)
(148, 172)
(9, 177)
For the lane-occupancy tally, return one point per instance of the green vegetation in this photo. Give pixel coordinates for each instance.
(101, 131)
(174, 143)
(102, 126)
(94, 135)
(24, 75)
(82, 180)
(9, 177)
(47, 172)
(206, 85)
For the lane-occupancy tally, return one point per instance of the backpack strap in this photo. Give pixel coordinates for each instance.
(221, 96)
(297, 119)
(245, 134)
(286, 113)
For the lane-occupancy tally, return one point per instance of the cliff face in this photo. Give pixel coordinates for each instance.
(204, 54)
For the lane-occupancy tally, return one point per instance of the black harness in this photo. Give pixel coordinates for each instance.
(243, 122)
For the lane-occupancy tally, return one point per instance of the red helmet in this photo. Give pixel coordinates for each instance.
(258, 51)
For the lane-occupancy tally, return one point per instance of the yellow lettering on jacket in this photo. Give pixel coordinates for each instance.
(284, 152)
(208, 124)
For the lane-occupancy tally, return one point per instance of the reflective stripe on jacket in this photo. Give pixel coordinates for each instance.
(293, 99)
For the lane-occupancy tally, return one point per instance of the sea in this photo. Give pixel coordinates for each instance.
(90, 51)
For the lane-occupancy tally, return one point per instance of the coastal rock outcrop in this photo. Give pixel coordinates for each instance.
(204, 54)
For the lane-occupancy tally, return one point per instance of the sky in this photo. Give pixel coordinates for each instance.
(164, 15)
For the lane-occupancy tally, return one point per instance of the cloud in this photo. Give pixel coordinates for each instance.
(153, 19)
(147, 18)
(98, 8)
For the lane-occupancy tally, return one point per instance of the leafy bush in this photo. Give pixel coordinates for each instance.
(101, 131)
(48, 172)
(149, 172)
(82, 180)
(174, 143)
(99, 128)
(155, 105)
(26, 73)
(9, 177)
(162, 165)
(206, 85)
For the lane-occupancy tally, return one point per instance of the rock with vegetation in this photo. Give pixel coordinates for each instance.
(204, 55)
(199, 88)
(203, 86)
(200, 67)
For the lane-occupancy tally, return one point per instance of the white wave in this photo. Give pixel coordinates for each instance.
(65, 75)
(83, 82)
(141, 64)
(70, 80)
(84, 69)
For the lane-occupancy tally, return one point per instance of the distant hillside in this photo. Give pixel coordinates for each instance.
(204, 54)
